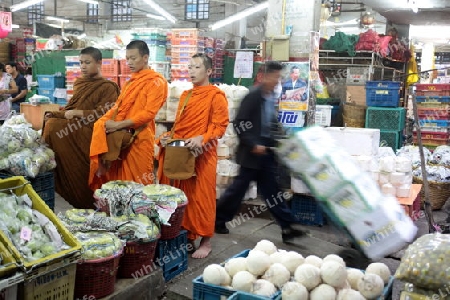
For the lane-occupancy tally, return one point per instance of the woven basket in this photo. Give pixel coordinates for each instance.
(172, 231)
(137, 259)
(439, 192)
(349, 122)
(355, 111)
(96, 278)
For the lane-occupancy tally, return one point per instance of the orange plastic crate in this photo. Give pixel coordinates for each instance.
(110, 67)
(181, 60)
(438, 89)
(186, 33)
(124, 69)
(186, 42)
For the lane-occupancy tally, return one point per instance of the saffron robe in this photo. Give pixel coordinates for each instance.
(71, 139)
(139, 102)
(206, 114)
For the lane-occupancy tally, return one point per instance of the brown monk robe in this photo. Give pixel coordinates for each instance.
(202, 122)
(70, 139)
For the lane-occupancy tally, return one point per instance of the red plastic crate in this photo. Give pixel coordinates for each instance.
(440, 89)
(110, 67)
(124, 69)
(433, 113)
(432, 142)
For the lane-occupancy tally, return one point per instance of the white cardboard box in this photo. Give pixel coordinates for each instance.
(384, 231)
(356, 141)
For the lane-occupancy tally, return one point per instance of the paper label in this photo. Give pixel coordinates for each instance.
(25, 234)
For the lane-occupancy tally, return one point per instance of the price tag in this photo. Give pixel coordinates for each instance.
(25, 233)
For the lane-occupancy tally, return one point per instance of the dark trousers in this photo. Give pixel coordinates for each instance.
(229, 203)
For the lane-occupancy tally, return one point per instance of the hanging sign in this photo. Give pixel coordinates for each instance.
(243, 66)
(5, 21)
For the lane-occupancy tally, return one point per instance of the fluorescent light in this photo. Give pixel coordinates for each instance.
(25, 4)
(54, 25)
(15, 26)
(156, 17)
(90, 1)
(240, 15)
(57, 19)
(161, 11)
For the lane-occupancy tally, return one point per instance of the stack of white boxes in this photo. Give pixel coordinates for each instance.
(377, 222)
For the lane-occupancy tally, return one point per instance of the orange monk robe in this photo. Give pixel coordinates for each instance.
(139, 102)
(205, 114)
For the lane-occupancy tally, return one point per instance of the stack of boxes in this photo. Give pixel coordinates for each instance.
(185, 42)
(432, 101)
(110, 69)
(73, 71)
(214, 48)
(47, 85)
(382, 99)
(22, 48)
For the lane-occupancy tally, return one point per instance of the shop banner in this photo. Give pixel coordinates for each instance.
(290, 118)
(5, 21)
(295, 87)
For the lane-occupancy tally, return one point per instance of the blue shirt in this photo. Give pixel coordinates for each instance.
(268, 113)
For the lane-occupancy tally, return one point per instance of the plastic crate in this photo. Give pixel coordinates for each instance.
(47, 93)
(184, 60)
(187, 49)
(431, 142)
(306, 211)
(328, 101)
(206, 291)
(9, 287)
(123, 80)
(50, 81)
(186, 33)
(43, 185)
(113, 79)
(433, 113)
(110, 67)
(435, 125)
(248, 296)
(323, 115)
(386, 118)
(382, 93)
(187, 42)
(390, 138)
(171, 256)
(439, 89)
(420, 99)
(58, 284)
(357, 76)
(61, 101)
(427, 135)
(20, 186)
(9, 263)
(124, 69)
(157, 53)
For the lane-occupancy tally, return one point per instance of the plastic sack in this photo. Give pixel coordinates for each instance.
(425, 263)
(434, 173)
(412, 152)
(383, 45)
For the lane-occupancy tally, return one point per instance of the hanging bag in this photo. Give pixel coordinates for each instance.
(179, 161)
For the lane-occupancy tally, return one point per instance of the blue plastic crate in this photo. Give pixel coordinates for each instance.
(306, 211)
(171, 255)
(43, 184)
(382, 93)
(421, 99)
(47, 93)
(61, 101)
(206, 291)
(248, 296)
(434, 123)
(50, 81)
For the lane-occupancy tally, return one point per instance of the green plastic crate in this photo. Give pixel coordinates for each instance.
(384, 118)
(390, 138)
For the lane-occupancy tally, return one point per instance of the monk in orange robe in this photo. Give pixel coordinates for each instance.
(135, 110)
(202, 122)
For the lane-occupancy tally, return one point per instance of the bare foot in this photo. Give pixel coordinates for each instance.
(204, 249)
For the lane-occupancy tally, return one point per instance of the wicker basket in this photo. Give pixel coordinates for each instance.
(137, 259)
(355, 111)
(439, 192)
(172, 231)
(96, 278)
(349, 122)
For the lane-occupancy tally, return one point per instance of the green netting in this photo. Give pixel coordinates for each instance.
(342, 42)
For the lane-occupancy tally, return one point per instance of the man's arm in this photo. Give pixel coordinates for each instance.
(23, 88)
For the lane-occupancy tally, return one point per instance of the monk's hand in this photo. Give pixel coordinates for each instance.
(111, 126)
(259, 150)
(163, 140)
(195, 142)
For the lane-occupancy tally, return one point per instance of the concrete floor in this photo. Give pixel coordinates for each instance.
(323, 241)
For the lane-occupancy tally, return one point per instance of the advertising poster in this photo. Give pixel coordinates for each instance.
(295, 87)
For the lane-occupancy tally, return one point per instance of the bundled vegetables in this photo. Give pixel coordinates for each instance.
(267, 271)
(96, 244)
(32, 233)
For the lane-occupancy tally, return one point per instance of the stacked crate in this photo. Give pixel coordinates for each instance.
(433, 110)
(73, 71)
(214, 48)
(22, 48)
(47, 85)
(110, 69)
(382, 98)
(185, 42)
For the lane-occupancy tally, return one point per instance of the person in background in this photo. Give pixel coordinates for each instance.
(7, 87)
(69, 131)
(294, 83)
(255, 157)
(22, 85)
(134, 111)
(202, 122)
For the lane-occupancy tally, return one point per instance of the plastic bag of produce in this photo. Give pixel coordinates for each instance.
(96, 244)
(425, 263)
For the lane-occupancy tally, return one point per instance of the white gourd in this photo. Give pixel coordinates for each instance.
(353, 276)
(258, 262)
(277, 274)
(333, 273)
(212, 274)
(381, 270)
(308, 276)
(349, 294)
(314, 260)
(236, 264)
(371, 286)
(334, 257)
(292, 260)
(294, 291)
(277, 256)
(264, 287)
(266, 246)
(323, 292)
(243, 281)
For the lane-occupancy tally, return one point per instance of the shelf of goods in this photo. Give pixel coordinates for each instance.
(365, 65)
(156, 40)
(433, 111)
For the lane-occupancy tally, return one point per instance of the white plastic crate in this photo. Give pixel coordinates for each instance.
(323, 115)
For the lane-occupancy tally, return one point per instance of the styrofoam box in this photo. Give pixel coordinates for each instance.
(298, 186)
(356, 141)
(383, 231)
(323, 115)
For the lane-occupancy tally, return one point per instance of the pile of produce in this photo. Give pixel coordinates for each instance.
(21, 151)
(97, 244)
(32, 233)
(267, 271)
(425, 263)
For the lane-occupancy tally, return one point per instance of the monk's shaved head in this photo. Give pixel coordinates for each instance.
(93, 52)
(207, 61)
(139, 45)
